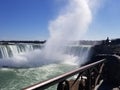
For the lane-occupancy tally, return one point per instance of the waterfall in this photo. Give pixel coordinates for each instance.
(7, 51)
(32, 55)
(81, 52)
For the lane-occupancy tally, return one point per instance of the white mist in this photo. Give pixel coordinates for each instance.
(70, 25)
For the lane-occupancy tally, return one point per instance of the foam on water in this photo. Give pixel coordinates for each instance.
(16, 79)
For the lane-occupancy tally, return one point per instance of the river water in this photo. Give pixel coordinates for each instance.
(16, 79)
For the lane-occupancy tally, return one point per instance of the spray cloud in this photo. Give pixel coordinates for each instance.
(70, 25)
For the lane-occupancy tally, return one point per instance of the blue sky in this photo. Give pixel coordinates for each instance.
(29, 19)
(106, 22)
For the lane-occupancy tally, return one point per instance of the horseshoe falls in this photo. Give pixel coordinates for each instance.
(32, 55)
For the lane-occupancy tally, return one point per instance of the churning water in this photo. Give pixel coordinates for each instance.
(16, 79)
(25, 66)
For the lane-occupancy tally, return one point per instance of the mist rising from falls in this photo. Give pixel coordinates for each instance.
(25, 55)
(70, 25)
(20, 55)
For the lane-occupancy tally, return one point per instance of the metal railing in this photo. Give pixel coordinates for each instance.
(91, 71)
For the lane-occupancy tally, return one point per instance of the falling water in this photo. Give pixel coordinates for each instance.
(25, 55)
(19, 55)
(70, 25)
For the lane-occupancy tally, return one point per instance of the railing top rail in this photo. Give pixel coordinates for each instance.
(45, 84)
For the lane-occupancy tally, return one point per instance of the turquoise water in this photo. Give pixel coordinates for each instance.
(16, 79)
